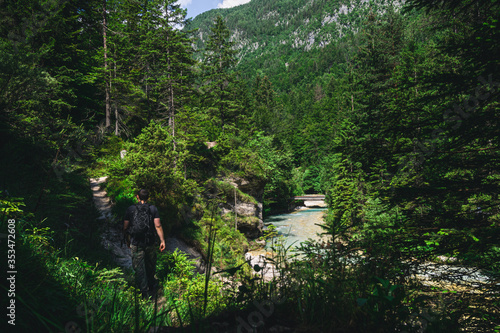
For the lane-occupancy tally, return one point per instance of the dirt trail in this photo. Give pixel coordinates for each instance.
(101, 201)
(111, 238)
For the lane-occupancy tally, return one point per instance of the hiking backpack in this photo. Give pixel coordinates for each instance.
(141, 229)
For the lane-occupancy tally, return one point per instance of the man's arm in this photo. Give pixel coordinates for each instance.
(159, 231)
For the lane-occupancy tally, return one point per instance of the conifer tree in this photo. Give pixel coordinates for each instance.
(264, 115)
(150, 62)
(174, 61)
(45, 54)
(219, 81)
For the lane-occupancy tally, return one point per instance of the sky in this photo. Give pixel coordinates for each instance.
(195, 7)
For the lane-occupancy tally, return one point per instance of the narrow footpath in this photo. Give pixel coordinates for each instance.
(111, 238)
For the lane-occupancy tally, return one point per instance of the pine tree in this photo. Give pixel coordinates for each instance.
(46, 51)
(150, 62)
(265, 116)
(219, 80)
(174, 61)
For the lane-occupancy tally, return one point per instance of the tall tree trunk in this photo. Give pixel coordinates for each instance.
(171, 105)
(172, 109)
(146, 83)
(106, 78)
(117, 132)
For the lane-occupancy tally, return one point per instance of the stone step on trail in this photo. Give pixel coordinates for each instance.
(101, 200)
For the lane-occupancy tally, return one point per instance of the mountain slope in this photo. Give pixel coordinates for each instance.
(290, 41)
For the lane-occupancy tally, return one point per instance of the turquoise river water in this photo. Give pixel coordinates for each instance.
(302, 225)
(298, 226)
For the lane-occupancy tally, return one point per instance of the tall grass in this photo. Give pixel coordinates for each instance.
(99, 299)
(59, 290)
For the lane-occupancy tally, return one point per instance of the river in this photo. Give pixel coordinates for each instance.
(294, 228)
(302, 225)
(298, 226)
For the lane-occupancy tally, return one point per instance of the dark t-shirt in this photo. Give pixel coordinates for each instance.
(129, 215)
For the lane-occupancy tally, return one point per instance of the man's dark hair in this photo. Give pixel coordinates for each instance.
(143, 194)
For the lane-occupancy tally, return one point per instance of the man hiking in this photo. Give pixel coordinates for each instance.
(140, 227)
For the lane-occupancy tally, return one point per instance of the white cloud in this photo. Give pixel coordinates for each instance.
(184, 3)
(231, 3)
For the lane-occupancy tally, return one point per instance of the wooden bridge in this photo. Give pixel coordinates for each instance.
(310, 197)
(312, 200)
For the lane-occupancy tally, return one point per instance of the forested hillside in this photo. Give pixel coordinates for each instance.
(291, 42)
(389, 108)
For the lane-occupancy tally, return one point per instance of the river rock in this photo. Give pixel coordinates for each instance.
(266, 268)
(250, 226)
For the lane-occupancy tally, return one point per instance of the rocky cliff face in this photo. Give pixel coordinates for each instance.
(243, 205)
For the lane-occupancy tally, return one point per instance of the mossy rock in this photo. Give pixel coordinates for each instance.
(250, 226)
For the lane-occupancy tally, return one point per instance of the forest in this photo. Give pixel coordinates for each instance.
(390, 109)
